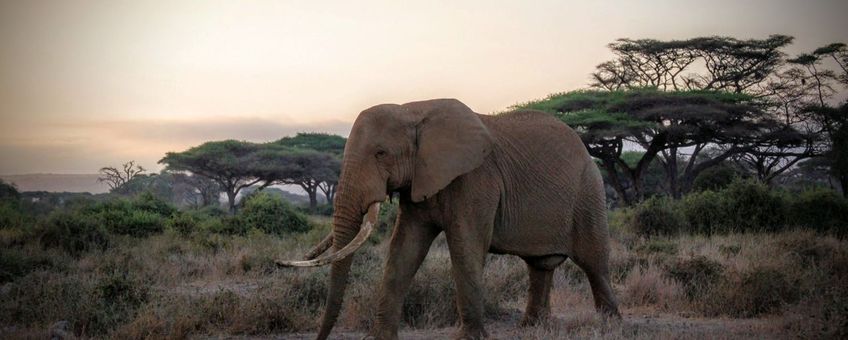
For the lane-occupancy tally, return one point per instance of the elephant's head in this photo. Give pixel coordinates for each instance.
(420, 147)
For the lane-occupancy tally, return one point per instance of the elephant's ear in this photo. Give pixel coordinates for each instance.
(451, 141)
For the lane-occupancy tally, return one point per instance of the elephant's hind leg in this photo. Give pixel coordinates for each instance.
(591, 253)
(541, 280)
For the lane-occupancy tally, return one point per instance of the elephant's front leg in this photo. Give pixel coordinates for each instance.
(468, 245)
(409, 245)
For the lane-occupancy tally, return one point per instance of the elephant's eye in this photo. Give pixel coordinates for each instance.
(380, 154)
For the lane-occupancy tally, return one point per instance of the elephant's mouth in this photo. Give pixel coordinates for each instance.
(365, 231)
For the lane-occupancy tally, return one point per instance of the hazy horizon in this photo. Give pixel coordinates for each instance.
(87, 84)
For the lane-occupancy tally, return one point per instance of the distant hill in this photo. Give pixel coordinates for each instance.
(57, 183)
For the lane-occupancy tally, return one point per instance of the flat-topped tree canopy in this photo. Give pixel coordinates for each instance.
(230, 163)
(323, 142)
(702, 63)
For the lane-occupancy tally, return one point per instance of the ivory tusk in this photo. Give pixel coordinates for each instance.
(364, 231)
(320, 248)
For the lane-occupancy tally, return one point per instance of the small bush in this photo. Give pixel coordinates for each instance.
(821, 210)
(138, 223)
(270, 214)
(757, 292)
(15, 263)
(74, 232)
(11, 215)
(697, 275)
(146, 201)
(751, 206)
(644, 287)
(143, 216)
(705, 213)
(183, 223)
(656, 216)
(117, 298)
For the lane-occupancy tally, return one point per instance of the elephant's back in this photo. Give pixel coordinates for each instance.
(537, 136)
(542, 162)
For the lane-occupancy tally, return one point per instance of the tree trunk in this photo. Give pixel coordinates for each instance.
(671, 173)
(313, 201)
(612, 174)
(231, 199)
(311, 191)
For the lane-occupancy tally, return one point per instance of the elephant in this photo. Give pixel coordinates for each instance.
(519, 183)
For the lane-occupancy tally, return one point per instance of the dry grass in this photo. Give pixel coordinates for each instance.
(174, 286)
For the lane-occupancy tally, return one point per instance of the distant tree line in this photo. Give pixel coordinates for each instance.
(691, 105)
(309, 160)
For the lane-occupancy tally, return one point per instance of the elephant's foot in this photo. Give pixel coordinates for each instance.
(471, 333)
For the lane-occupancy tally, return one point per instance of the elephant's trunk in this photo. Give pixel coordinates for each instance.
(347, 225)
(349, 233)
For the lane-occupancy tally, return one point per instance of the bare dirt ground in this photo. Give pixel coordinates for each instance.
(634, 325)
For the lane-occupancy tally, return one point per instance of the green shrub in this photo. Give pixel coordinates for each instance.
(117, 298)
(752, 206)
(208, 219)
(270, 214)
(715, 178)
(184, 223)
(11, 215)
(131, 222)
(146, 201)
(74, 232)
(140, 217)
(656, 216)
(821, 210)
(15, 263)
(705, 212)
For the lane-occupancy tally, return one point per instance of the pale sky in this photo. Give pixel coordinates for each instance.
(84, 84)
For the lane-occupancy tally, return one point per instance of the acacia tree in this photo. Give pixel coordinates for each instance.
(815, 85)
(277, 164)
(705, 63)
(115, 177)
(229, 163)
(328, 175)
(176, 187)
(785, 89)
(204, 191)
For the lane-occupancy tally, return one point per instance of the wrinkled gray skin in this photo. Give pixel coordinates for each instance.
(519, 183)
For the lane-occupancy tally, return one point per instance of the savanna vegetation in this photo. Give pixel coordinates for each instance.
(724, 161)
